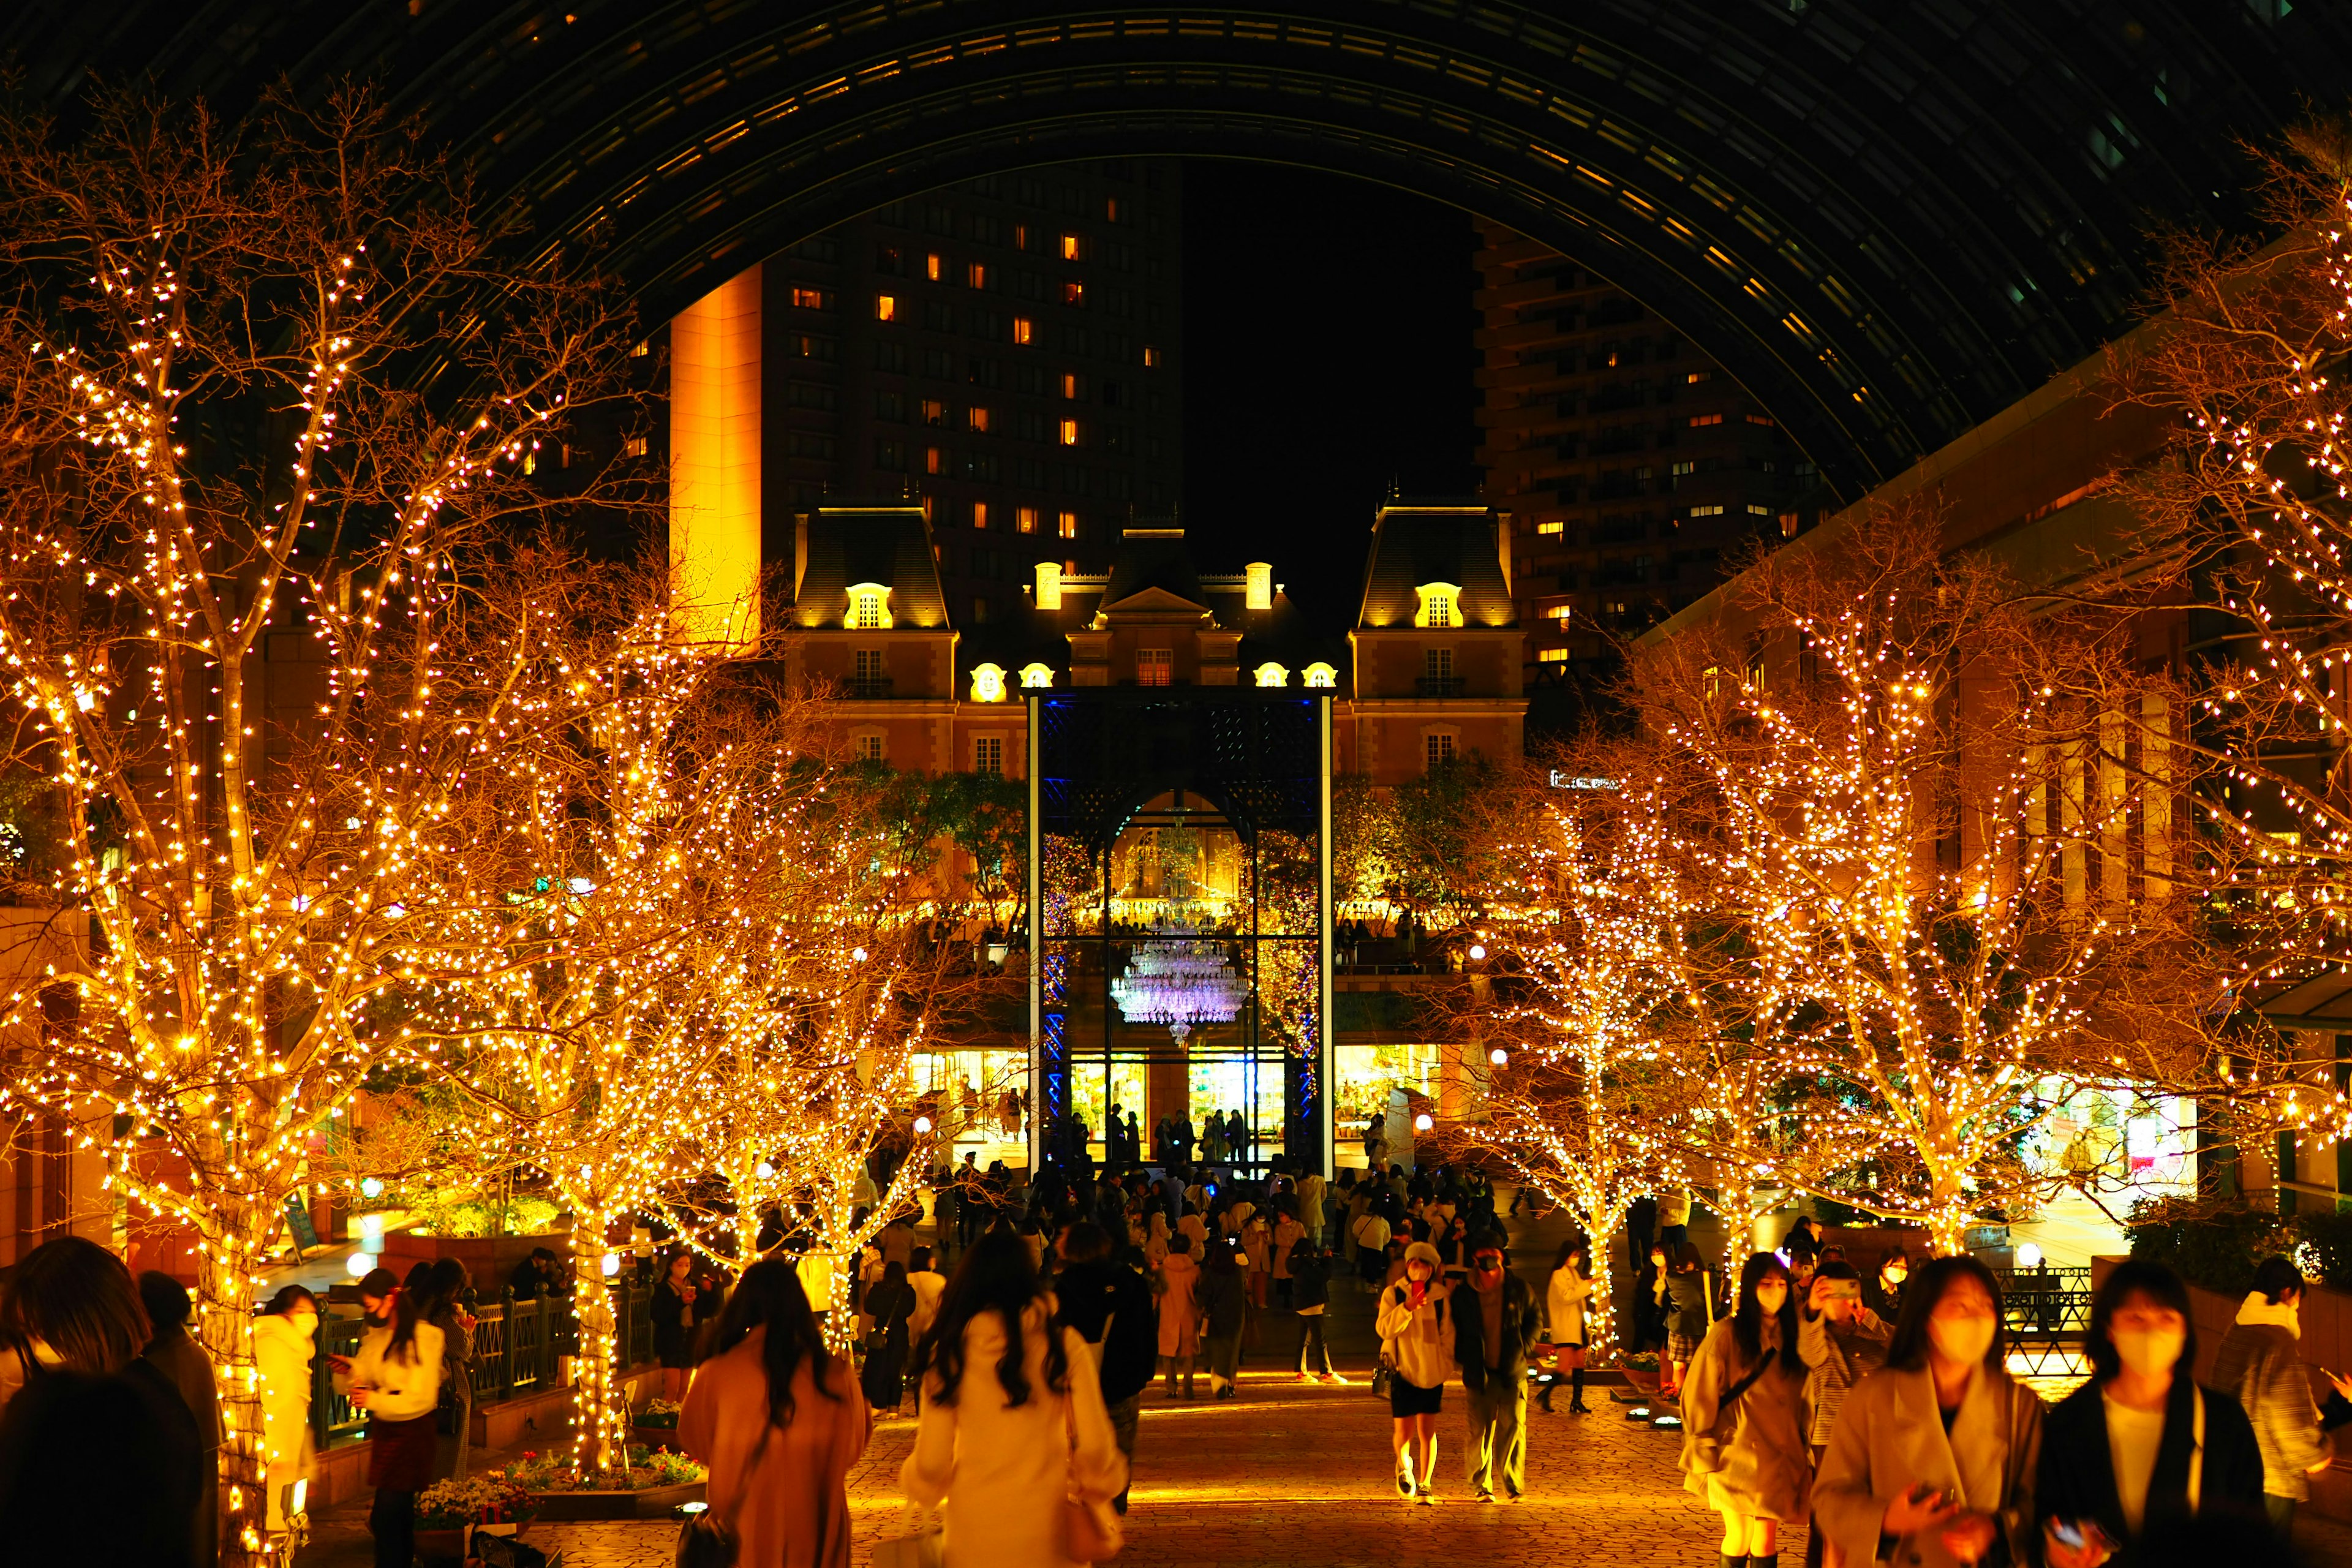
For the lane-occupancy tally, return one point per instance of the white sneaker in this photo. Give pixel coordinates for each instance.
(1405, 1483)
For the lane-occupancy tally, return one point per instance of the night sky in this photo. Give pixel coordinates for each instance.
(1327, 352)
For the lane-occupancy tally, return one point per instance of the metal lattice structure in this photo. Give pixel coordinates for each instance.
(1259, 761)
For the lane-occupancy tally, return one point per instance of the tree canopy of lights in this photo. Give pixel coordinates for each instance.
(269, 395)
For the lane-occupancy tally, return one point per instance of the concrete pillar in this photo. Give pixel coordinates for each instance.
(714, 464)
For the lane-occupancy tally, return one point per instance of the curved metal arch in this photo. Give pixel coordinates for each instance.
(1888, 221)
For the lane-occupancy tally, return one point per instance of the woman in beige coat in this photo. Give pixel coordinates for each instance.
(1744, 1418)
(1937, 1449)
(1013, 1424)
(779, 1419)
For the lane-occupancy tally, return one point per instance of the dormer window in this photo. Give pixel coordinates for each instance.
(1036, 676)
(1154, 666)
(869, 608)
(1272, 674)
(1322, 675)
(1441, 605)
(988, 683)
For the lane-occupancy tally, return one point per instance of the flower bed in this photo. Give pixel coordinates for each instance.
(653, 1483)
(494, 1497)
(655, 1426)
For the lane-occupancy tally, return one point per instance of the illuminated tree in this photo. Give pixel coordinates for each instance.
(265, 395)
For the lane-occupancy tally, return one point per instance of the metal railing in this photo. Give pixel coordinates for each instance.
(1437, 685)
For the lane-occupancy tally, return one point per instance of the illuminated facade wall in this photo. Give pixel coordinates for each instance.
(714, 462)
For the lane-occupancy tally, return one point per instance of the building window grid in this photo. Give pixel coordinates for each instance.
(988, 755)
(1154, 666)
(1439, 750)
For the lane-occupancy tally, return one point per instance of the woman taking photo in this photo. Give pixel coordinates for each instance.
(2140, 1446)
(1743, 1418)
(1937, 1451)
(778, 1421)
(1008, 1436)
(1417, 1338)
(396, 1379)
(1564, 1299)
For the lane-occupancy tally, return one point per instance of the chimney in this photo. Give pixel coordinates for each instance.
(1260, 593)
(1049, 585)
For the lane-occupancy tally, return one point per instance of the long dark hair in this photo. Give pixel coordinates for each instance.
(770, 1295)
(2142, 1276)
(384, 1285)
(1748, 1319)
(1908, 1349)
(289, 1297)
(78, 1298)
(995, 1275)
(1580, 1248)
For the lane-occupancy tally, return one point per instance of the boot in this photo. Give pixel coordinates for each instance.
(1772, 1562)
(1731, 1561)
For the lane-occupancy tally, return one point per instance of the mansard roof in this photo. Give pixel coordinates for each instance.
(1418, 544)
(891, 545)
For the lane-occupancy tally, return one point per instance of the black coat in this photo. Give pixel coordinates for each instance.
(1108, 1294)
(100, 1469)
(1519, 1320)
(2077, 1478)
(1310, 1275)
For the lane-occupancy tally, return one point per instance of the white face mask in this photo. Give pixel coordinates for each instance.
(305, 1323)
(2149, 1352)
(1962, 1339)
(1769, 1295)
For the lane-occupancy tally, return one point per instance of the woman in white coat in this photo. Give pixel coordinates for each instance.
(285, 1339)
(1743, 1403)
(1013, 1424)
(1936, 1451)
(1571, 1284)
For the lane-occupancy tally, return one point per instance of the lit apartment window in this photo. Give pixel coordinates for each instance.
(634, 447)
(643, 347)
(1025, 519)
(1033, 676)
(1552, 655)
(866, 612)
(1154, 666)
(1067, 525)
(1788, 525)
(1025, 330)
(1070, 385)
(869, 748)
(1684, 468)
(1695, 377)
(1754, 510)
(1019, 237)
(1073, 292)
(1698, 419)
(933, 267)
(1072, 247)
(1561, 613)
(935, 460)
(1110, 208)
(1441, 609)
(988, 755)
(810, 300)
(1707, 511)
(1069, 432)
(934, 411)
(885, 307)
(1271, 674)
(980, 514)
(1322, 675)
(1151, 356)
(1440, 751)
(976, 275)
(1764, 420)
(1551, 525)
(979, 420)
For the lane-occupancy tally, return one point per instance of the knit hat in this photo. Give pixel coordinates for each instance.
(1422, 1252)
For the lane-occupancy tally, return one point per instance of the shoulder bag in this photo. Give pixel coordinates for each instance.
(1090, 1531)
(708, 1540)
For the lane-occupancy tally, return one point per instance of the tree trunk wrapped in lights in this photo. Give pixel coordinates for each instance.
(247, 581)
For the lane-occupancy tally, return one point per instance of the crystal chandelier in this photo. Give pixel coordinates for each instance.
(1179, 983)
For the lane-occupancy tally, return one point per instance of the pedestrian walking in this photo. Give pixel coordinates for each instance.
(285, 1340)
(1310, 1294)
(1494, 1324)
(2140, 1447)
(1012, 1430)
(1224, 1309)
(1287, 1231)
(1743, 1418)
(1936, 1452)
(396, 1379)
(1683, 1280)
(928, 1284)
(1180, 1312)
(889, 1306)
(99, 1458)
(2259, 1366)
(1416, 1343)
(1842, 1341)
(1565, 1294)
(1312, 1196)
(1108, 1303)
(174, 1352)
(441, 1303)
(779, 1420)
(1371, 1237)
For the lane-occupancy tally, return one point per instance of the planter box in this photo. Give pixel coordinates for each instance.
(655, 1502)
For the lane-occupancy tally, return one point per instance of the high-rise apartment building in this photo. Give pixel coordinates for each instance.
(1005, 350)
(1632, 467)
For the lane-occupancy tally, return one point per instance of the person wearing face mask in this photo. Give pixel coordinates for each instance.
(285, 1338)
(1743, 1418)
(1932, 1460)
(1842, 1341)
(2259, 1365)
(1493, 1323)
(1883, 1291)
(396, 1379)
(1417, 1341)
(2140, 1447)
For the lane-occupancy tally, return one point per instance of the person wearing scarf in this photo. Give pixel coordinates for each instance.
(2258, 1364)
(2140, 1448)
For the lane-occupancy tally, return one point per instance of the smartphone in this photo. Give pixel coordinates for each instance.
(2068, 1531)
(1845, 1290)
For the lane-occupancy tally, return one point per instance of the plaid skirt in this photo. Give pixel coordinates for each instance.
(1680, 1347)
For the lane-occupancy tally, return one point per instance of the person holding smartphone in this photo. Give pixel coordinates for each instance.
(2140, 1447)
(1842, 1341)
(1931, 1462)
(1417, 1338)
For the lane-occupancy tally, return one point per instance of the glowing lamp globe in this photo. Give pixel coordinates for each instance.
(922, 1124)
(1499, 1057)
(612, 1264)
(1477, 951)
(359, 1265)
(2029, 1256)
(1424, 1123)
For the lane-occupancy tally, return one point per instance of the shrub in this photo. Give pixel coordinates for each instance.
(2216, 1244)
